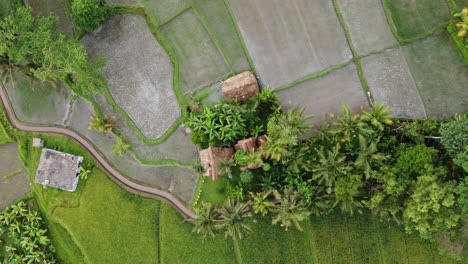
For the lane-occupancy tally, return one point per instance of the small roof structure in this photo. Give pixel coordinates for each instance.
(58, 169)
(210, 158)
(240, 87)
(249, 144)
(38, 143)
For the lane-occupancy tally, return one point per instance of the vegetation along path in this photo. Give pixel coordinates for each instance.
(184, 210)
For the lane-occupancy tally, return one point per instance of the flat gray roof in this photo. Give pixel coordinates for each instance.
(58, 169)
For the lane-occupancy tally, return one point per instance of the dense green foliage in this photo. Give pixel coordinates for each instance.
(32, 46)
(23, 236)
(454, 138)
(396, 169)
(88, 14)
(227, 122)
(102, 124)
(462, 25)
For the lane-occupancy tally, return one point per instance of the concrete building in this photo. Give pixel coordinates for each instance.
(58, 170)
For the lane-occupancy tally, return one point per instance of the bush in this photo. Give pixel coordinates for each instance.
(453, 135)
(412, 161)
(246, 176)
(88, 14)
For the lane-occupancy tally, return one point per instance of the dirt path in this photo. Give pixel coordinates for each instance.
(181, 207)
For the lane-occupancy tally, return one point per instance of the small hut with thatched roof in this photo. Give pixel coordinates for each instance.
(240, 87)
(248, 145)
(210, 158)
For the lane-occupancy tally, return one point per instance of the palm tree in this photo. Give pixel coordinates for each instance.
(378, 116)
(349, 125)
(120, 147)
(232, 219)
(368, 154)
(319, 204)
(291, 209)
(84, 173)
(102, 124)
(347, 188)
(276, 149)
(261, 202)
(329, 166)
(225, 167)
(205, 221)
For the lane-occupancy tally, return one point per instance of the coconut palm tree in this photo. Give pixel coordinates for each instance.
(225, 167)
(291, 209)
(378, 116)
(84, 173)
(261, 202)
(368, 155)
(102, 124)
(349, 125)
(205, 221)
(330, 165)
(233, 217)
(120, 147)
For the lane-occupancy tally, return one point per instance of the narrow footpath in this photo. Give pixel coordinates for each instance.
(181, 207)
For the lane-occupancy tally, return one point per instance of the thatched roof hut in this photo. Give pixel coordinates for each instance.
(210, 158)
(249, 144)
(240, 87)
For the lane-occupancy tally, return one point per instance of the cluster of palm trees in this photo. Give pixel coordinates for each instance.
(287, 209)
(24, 237)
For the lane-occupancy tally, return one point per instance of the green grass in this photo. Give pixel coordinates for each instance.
(4, 138)
(413, 18)
(214, 191)
(180, 245)
(272, 244)
(453, 31)
(337, 238)
(83, 224)
(216, 17)
(112, 225)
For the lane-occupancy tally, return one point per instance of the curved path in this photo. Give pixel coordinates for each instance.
(181, 207)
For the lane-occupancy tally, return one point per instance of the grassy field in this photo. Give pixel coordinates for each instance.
(272, 244)
(430, 14)
(214, 191)
(83, 224)
(3, 136)
(340, 239)
(180, 245)
(112, 225)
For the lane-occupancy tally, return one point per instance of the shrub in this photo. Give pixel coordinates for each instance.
(412, 161)
(246, 176)
(88, 14)
(453, 135)
(462, 25)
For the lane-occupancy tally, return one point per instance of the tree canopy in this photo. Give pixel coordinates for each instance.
(34, 46)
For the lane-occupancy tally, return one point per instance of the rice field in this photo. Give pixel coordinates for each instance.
(200, 61)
